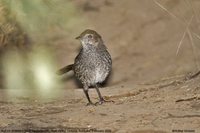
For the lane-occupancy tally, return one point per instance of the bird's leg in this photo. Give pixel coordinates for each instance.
(85, 89)
(101, 99)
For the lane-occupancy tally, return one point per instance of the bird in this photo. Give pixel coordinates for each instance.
(92, 65)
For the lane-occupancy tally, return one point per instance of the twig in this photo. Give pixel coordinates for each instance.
(183, 22)
(188, 99)
(129, 94)
(172, 83)
(194, 75)
(187, 28)
(165, 9)
(193, 9)
(181, 116)
(180, 43)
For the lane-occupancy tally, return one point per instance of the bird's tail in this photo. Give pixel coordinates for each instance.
(65, 69)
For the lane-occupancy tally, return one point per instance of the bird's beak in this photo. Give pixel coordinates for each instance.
(78, 37)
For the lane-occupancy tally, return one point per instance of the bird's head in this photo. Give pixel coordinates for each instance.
(89, 37)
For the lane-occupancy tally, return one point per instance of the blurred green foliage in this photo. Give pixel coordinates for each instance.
(36, 22)
(39, 19)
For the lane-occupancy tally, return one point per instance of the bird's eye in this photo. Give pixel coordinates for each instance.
(90, 36)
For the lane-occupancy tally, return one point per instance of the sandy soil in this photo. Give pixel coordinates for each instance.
(149, 83)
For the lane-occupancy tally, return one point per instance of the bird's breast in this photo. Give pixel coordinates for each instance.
(93, 66)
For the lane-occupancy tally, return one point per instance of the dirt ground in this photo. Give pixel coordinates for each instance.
(150, 84)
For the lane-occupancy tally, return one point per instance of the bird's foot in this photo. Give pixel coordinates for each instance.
(90, 104)
(101, 101)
